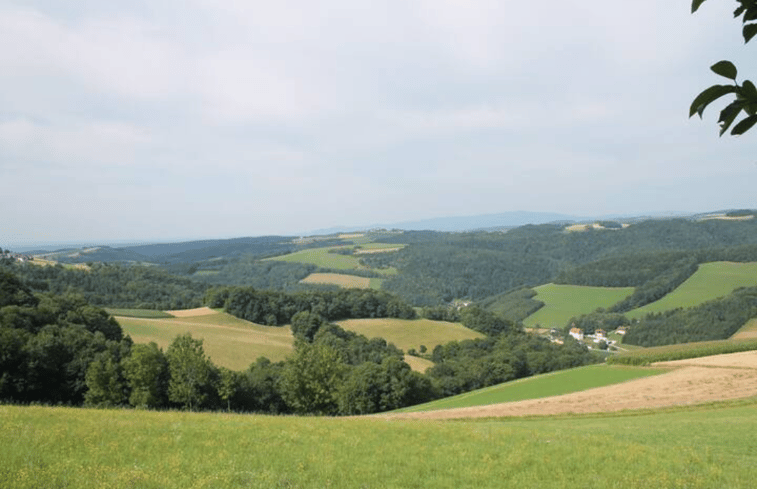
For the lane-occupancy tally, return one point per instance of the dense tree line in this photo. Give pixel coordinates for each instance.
(713, 320)
(438, 267)
(515, 305)
(113, 285)
(276, 308)
(473, 364)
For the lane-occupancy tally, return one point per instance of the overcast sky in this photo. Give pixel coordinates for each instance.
(167, 119)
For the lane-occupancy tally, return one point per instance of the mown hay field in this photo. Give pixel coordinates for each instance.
(338, 279)
(539, 386)
(410, 333)
(562, 302)
(710, 281)
(694, 447)
(228, 341)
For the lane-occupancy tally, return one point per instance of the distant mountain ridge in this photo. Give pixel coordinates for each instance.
(463, 223)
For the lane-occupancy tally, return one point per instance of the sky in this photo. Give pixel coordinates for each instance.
(164, 119)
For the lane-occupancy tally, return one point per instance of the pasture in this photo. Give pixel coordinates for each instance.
(539, 386)
(710, 281)
(562, 302)
(410, 333)
(228, 341)
(692, 447)
(321, 258)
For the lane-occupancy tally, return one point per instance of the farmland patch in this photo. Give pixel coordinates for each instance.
(562, 302)
(710, 281)
(407, 333)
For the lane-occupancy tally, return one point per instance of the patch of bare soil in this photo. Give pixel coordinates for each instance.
(189, 313)
(695, 381)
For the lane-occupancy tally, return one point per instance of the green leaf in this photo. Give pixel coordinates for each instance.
(749, 91)
(725, 68)
(749, 32)
(695, 5)
(739, 11)
(728, 115)
(744, 125)
(751, 13)
(708, 96)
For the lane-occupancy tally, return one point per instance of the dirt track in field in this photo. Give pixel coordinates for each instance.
(690, 382)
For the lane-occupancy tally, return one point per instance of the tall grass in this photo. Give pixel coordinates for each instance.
(77, 448)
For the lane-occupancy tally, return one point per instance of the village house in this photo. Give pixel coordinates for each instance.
(577, 333)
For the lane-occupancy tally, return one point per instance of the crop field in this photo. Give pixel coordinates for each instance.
(228, 341)
(321, 257)
(406, 333)
(551, 384)
(682, 351)
(562, 302)
(710, 281)
(338, 279)
(87, 449)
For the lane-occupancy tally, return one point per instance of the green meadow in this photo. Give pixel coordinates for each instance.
(694, 447)
(410, 333)
(228, 341)
(551, 384)
(710, 281)
(321, 257)
(562, 302)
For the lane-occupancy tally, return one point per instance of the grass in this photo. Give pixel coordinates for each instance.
(682, 351)
(138, 313)
(228, 341)
(710, 281)
(321, 257)
(695, 448)
(406, 333)
(552, 384)
(562, 302)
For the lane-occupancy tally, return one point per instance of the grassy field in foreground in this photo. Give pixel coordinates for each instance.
(552, 384)
(562, 302)
(710, 281)
(694, 448)
(228, 341)
(406, 333)
(321, 257)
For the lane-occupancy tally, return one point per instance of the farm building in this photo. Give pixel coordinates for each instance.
(577, 333)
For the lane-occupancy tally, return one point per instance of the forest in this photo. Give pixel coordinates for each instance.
(59, 349)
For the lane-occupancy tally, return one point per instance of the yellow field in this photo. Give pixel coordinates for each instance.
(406, 333)
(418, 364)
(341, 280)
(228, 341)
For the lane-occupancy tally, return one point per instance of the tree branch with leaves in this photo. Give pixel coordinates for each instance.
(745, 93)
